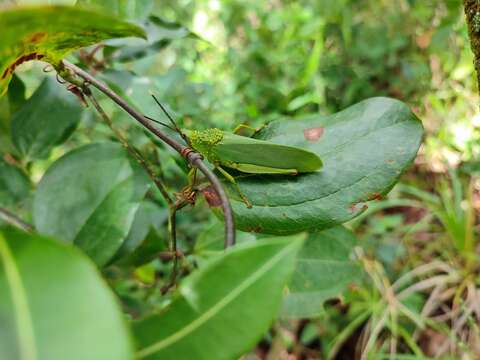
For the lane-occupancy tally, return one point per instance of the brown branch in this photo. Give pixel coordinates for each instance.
(472, 14)
(14, 220)
(194, 158)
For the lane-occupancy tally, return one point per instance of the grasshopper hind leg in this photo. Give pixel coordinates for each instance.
(232, 180)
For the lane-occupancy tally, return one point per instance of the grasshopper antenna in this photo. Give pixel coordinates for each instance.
(175, 126)
(159, 122)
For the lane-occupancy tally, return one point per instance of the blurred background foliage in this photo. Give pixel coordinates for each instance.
(223, 63)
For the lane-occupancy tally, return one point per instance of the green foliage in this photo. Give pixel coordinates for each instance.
(215, 304)
(45, 120)
(288, 64)
(50, 33)
(354, 171)
(100, 212)
(325, 268)
(14, 184)
(51, 297)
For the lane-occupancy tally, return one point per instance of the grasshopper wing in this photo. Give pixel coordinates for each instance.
(244, 150)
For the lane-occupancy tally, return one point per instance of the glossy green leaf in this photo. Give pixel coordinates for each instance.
(54, 305)
(324, 269)
(365, 149)
(89, 197)
(47, 119)
(14, 184)
(49, 33)
(230, 301)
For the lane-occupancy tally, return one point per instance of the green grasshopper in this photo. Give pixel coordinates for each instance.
(247, 155)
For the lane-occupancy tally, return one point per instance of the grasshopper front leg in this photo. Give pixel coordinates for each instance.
(232, 180)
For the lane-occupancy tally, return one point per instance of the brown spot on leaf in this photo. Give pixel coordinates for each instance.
(256, 229)
(375, 196)
(211, 197)
(354, 208)
(313, 134)
(36, 37)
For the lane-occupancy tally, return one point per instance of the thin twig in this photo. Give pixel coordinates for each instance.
(136, 154)
(192, 157)
(172, 227)
(14, 220)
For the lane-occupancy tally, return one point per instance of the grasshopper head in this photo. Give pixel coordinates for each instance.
(204, 141)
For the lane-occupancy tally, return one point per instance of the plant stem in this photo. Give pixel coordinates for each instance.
(472, 14)
(136, 154)
(14, 220)
(192, 157)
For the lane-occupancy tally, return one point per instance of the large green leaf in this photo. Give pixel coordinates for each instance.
(365, 148)
(45, 120)
(324, 269)
(49, 33)
(14, 184)
(223, 308)
(89, 197)
(54, 305)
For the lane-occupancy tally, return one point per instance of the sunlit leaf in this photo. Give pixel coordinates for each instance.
(51, 32)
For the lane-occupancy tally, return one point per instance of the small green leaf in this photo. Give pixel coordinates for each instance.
(49, 33)
(324, 269)
(365, 149)
(89, 197)
(47, 119)
(14, 184)
(231, 301)
(54, 305)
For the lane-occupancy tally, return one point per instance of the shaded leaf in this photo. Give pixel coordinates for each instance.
(211, 240)
(230, 301)
(365, 149)
(89, 197)
(324, 269)
(160, 34)
(54, 305)
(148, 219)
(49, 33)
(14, 184)
(47, 119)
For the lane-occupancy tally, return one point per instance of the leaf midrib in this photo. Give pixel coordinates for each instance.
(214, 310)
(23, 319)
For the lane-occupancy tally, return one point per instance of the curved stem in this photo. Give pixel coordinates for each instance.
(14, 220)
(194, 158)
